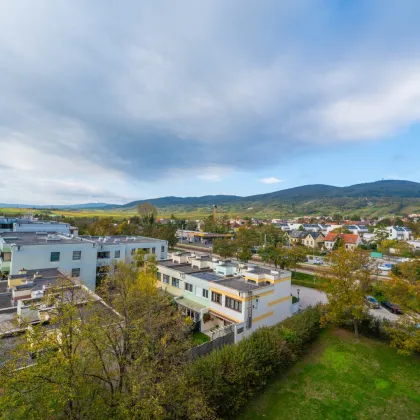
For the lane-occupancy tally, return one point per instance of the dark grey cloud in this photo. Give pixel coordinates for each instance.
(143, 89)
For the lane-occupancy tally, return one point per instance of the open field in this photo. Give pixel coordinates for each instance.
(341, 378)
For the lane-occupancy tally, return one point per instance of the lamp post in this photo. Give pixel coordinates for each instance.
(298, 291)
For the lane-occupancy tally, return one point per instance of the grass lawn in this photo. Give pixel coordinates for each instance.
(341, 378)
(199, 338)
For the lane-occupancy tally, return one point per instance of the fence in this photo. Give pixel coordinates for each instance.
(208, 347)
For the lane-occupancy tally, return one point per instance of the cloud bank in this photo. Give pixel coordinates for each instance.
(97, 100)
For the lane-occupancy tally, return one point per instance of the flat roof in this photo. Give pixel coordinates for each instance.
(34, 238)
(208, 276)
(239, 283)
(123, 239)
(182, 268)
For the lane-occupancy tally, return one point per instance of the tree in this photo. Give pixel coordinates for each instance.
(167, 233)
(226, 248)
(404, 290)
(345, 286)
(339, 243)
(381, 234)
(97, 364)
(245, 241)
(147, 213)
(283, 257)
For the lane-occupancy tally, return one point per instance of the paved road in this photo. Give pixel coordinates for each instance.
(310, 297)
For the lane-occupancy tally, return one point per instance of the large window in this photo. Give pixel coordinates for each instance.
(153, 250)
(166, 278)
(77, 255)
(188, 287)
(234, 304)
(175, 282)
(55, 256)
(216, 298)
(117, 254)
(205, 293)
(75, 272)
(158, 276)
(133, 251)
(162, 248)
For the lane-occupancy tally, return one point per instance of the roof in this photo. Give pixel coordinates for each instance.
(182, 268)
(349, 238)
(314, 235)
(239, 283)
(206, 275)
(331, 237)
(297, 234)
(190, 304)
(34, 238)
(123, 239)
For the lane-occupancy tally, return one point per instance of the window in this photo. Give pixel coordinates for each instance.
(75, 272)
(55, 256)
(133, 251)
(216, 297)
(77, 255)
(153, 250)
(158, 276)
(205, 293)
(166, 278)
(104, 254)
(188, 287)
(234, 304)
(162, 248)
(175, 282)
(117, 254)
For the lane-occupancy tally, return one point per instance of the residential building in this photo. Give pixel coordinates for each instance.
(350, 241)
(227, 295)
(311, 227)
(85, 257)
(22, 304)
(400, 233)
(29, 224)
(358, 229)
(296, 236)
(313, 239)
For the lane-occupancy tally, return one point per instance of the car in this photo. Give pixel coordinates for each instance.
(385, 267)
(318, 261)
(372, 302)
(392, 307)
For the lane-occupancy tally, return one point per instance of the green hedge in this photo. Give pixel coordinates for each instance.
(230, 376)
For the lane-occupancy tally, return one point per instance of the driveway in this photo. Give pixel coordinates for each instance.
(310, 297)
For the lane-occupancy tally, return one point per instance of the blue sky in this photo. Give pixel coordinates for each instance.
(192, 98)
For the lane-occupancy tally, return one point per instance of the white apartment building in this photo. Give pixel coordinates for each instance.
(225, 294)
(357, 229)
(400, 233)
(85, 257)
(29, 224)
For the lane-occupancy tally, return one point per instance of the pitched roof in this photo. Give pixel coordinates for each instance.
(314, 234)
(349, 238)
(331, 237)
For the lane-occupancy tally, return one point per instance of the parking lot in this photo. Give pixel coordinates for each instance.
(310, 297)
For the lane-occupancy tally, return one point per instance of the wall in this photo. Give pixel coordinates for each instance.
(208, 347)
(32, 257)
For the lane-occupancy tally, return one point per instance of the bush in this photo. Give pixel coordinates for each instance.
(371, 327)
(230, 376)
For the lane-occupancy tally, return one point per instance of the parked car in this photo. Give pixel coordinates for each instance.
(392, 307)
(318, 261)
(385, 267)
(372, 302)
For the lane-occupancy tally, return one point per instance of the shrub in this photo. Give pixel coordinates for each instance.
(371, 327)
(230, 376)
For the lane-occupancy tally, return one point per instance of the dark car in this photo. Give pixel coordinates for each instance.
(395, 309)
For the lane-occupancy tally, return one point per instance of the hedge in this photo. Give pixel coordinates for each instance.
(230, 376)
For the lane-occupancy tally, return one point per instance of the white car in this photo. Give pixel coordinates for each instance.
(385, 267)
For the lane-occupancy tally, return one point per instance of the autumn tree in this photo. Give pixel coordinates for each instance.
(97, 362)
(226, 248)
(283, 258)
(404, 290)
(345, 286)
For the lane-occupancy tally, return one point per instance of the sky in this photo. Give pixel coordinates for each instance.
(117, 101)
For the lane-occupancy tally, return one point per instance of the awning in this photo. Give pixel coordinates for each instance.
(224, 318)
(190, 304)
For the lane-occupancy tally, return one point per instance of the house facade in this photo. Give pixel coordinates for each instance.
(85, 257)
(313, 240)
(224, 294)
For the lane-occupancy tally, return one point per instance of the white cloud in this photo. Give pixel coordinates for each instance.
(270, 180)
(210, 177)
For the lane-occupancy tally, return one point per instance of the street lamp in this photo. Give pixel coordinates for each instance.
(298, 291)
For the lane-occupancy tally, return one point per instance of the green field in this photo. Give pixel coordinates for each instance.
(341, 378)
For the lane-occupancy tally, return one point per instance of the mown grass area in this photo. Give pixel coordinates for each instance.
(342, 378)
(199, 338)
(307, 280)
